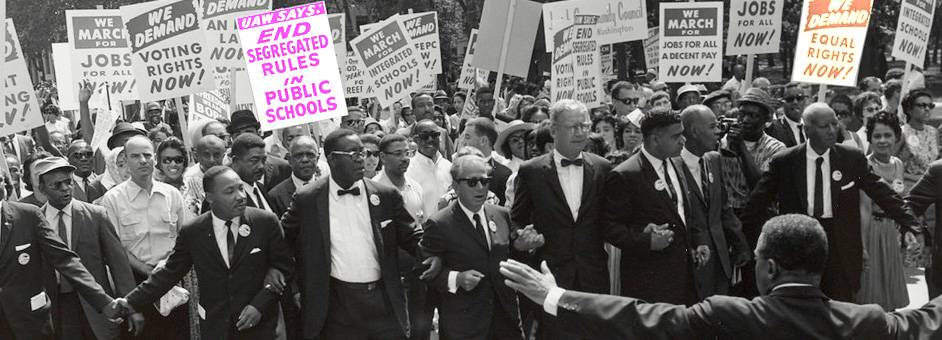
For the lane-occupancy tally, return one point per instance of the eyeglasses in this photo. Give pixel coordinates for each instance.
(629, 100)
(368, 153)
(927, 106)
(794, 99)
(405, 153)
(581, 127)
(178, 160)
(428, 135)
(83, 155)
(473, 182)
(352, 154)
(353, 122)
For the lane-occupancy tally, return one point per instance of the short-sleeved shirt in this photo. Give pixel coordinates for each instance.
(146, 222)
(737, 189)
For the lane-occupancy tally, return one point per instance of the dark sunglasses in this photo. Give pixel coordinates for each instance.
(629, 101)
(794, 99)
(368, 153)
(428, 135)
(178, 160)
(473, 182)
(928, 106)
(83, 155)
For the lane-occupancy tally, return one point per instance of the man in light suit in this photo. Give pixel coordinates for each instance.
(86, 230)
(791, 256)
(824, 179)
(229, 247)
(345, 231)
(80, 156)
(302, 154)
(703, 171)
(472, 238)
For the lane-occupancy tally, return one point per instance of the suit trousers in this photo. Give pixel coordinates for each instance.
(71, 323)
(503, 326)
(360, 311)
(833, 283)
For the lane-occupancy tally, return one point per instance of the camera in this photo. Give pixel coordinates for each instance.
(726, 123)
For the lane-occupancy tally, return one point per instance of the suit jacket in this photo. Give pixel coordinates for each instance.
(97, 245)
(30, 252)
(91, 193)
(225, 291)
(795, 312)
(779, 129)
(722, 227)
(281, 195)
(631, 203)
(276, 170)
(450, 235)
(785, 184)
(307, 229)
(26, 146)
(499, 176)
(925, 193)
(573, 248)
(31, 200)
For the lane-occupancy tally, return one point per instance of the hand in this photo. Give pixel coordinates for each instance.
(136, 324)
(701, 255)
(910, 239)
(661, 235)
(248, 318)
(469, 279)
(117, 310)
(85, 91)
(734, 139)
(528, 239)
(742, 259)
(275, 281)
(434, 265)
(534, 285)
(297, 300)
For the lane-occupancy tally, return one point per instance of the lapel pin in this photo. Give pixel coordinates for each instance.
(245, 230)
(710, 177)
(23, 259)
(898, 185)
(374, 200)
(493, 226)
(659, 185)
(836, 175)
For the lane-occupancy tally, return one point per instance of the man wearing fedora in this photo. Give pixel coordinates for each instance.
(276, 169)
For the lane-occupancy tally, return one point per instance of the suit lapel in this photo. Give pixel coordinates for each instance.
(650, 178)
(375, 214)
(698, 192)
(799, 168)
(241, 241)
(206, 226)
(588, 185)
(79, 219)
(684, 189)
(835, 160)
(322, 206)
(552, 178)
(467, 226)
(789, 132)
(6, 228)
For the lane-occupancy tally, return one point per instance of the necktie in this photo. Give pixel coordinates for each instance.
(576, 162)
(64, 285)
(85, 183)
(801, 134)
(258, 197)
(704, 184)
(355, 192)
(818, 189)
(230, 241)
(479, 229)
(670, 183)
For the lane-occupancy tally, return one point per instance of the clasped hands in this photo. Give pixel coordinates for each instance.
(528, 239)
(118, 309)
(662, 236)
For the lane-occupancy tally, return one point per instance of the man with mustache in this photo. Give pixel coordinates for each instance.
(248, 160)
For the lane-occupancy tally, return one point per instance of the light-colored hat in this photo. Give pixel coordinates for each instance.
(46, 165)
(688, 88)
(513, 126)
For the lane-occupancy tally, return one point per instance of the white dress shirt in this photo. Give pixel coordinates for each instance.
(250, 192)
(353, 254)
(52, 218)
(570, 178)
(298, 183)
(411, 193)
(220, 230)
(453, 275)
(675, 181)
(435, 176)
(693, 164)
(811, 172)
(795, 129)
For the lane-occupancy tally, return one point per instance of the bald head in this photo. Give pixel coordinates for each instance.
(821, 127)
(816, 112)
(140, 158)
(302, 155)
(210, 151)
(762, 83)
(695, 115)
(302, 142)
(701, 129)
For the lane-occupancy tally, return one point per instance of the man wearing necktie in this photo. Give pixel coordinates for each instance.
(472, 238)
(345, 232)
(649, 213)
(248, 160)
(229, 247)
(823, 179)
(80, 156)
(789, 129)
(302, 155)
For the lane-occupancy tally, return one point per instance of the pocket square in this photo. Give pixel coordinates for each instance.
(383, 224)
(847, 186)
(254, 250)
(22, 246)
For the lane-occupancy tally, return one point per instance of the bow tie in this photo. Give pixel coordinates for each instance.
(576, 162)
(355, 192)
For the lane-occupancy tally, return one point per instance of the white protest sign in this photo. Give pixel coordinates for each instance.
(691, 42)
(586, 62)
(755, 27)
(521, 33)
(651, 45)
(391, 62)
(218, 22)
(608, 63)
(292, 66)
(168, 49)
(21, 107)
(105, 121)
(62, 60)
(563, 77)
(468, 72)
(619, 21)
(211, 104)
(240, 89)
(912, 32)
(830, 39)
(423, 29)
(338, 35)
(100, 55)
(354, 78)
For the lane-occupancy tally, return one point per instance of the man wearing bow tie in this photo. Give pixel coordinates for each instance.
(345, 231)
(229, 247)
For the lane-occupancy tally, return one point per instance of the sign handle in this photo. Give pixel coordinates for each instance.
(903, 91)
(822, 93)
(503, 49)
(181, 118)
(750, 69)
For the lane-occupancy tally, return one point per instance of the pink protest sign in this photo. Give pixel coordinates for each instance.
(292, 67)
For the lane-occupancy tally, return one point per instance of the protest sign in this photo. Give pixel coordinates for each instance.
(292, 66)
(105, 121)
(218, 21)
(755, 27)
(100, 55)
(62, 61)
(21, 107)
(468, 72)
(168, 49)
(210, 104)
(830, 38)
(586, 62)
(423, 29)
(354, 78)
(651, 45)
(608, 65)
(240, 88)
(619, 20)
(563, 84)
(690, 44)
(392, 65)
(912, 32)
(524, 20)
(368, 27)
(338, 35)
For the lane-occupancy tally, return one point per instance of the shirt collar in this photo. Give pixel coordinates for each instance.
(299, 182)
(218, 222)
(156, 186)
(334, 187)
(786, 285)
(53, 211)
(558, 158)
(791, 122)
(689, 157)
(471, 214)
(811, 154)
(249, 188)
(654, 160)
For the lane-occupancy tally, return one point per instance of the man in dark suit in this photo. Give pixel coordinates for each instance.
(559, 196)
(482, 134)
(86, 230)
(302, 154)
(20, 146)
(276, 169)
(345, 231)
(248, 160)
(703, 170)
(472, 238)
(928, 192)
(229, 248)
(823, 179)
(648, 213)
(80, 156)
(791, 257)
(30, 253)
(789, 128)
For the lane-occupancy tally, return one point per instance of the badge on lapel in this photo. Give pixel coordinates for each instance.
(23, 259)
(710, 177)
(836, 175)
(898, 185)
(245, 230)
(492, 226)
(374, 200)
(659, 185)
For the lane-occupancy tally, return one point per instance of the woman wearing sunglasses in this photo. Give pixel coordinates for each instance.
(371, 162)
(920, 144)
(171, 161)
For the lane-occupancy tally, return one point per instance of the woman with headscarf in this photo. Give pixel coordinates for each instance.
(116, 171)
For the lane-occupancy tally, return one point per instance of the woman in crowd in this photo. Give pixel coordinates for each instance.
(171, 161)
(866, 105)
(512, 143)
(116, 170)
(371, 164)
(850, 123)
(628, 135)
(920, 141)
(883, 281)
(158, 134)
(371, 126)
(605, 126)
(535, 113)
